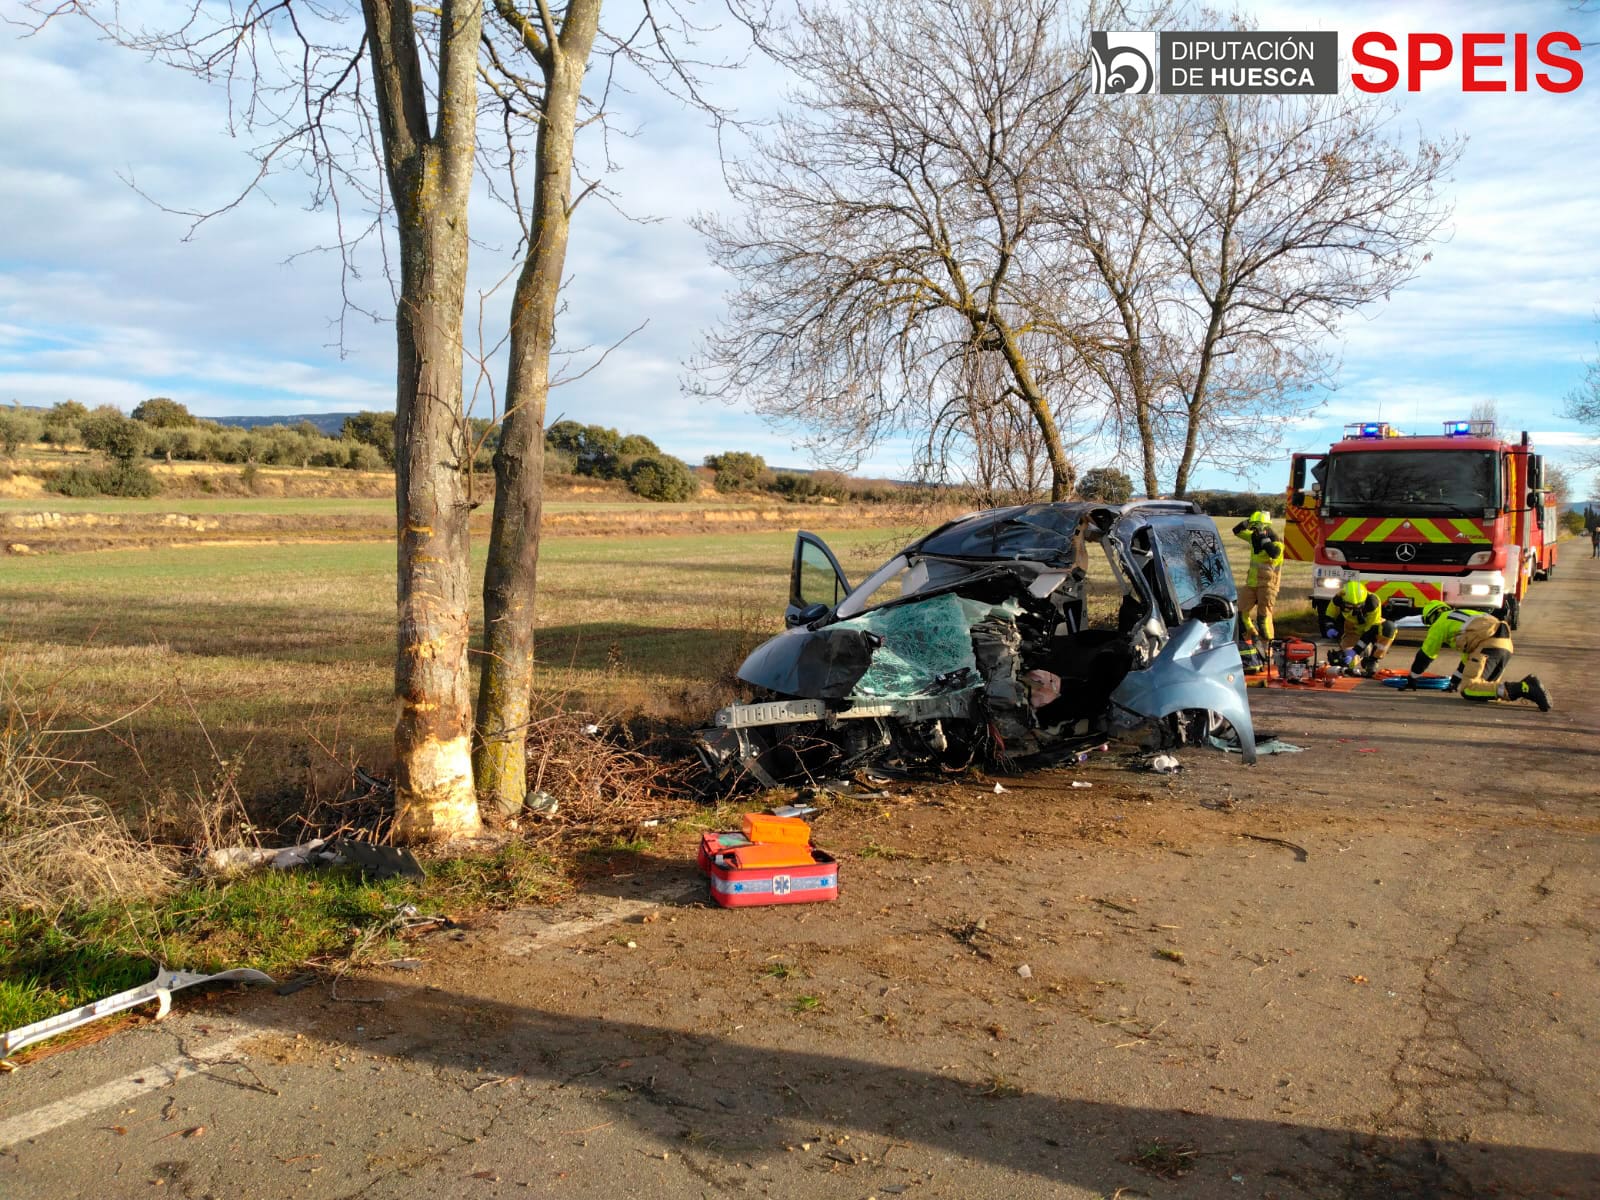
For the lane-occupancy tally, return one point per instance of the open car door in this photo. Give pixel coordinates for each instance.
(816, 581)
(1303, 519)
(1180, 558)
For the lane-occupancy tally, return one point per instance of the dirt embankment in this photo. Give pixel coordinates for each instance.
(49, 531)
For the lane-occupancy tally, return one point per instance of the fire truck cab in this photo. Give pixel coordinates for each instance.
(1462, 516)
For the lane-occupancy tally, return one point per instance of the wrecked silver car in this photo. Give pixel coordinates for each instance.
(1024, 633)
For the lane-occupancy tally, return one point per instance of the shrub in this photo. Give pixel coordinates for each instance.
(160, 413)
(792, 485)
(117, 479)
(1106, 484)
(737, 471)
(1572, 522)
(662, 478)
(17, 429)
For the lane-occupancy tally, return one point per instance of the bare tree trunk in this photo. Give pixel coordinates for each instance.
(510, 577)
(1063, 475)
(430, 178)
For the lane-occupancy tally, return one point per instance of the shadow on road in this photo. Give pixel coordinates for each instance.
(735, 1102)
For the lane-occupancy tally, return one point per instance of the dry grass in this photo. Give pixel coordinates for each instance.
(59, 847)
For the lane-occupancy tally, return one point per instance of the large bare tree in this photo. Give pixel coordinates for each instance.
(891, 223)
(1284, 214)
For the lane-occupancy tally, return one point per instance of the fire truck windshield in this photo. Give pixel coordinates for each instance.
(1398, 482)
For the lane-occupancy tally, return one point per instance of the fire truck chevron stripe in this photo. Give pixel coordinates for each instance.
(1417, 593)
(1346, 530)
(1429, 529)
(1384, 529)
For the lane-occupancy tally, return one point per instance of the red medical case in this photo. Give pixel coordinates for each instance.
(735, 887)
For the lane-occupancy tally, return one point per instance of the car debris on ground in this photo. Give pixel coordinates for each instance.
(159, 989)
(1023, 634)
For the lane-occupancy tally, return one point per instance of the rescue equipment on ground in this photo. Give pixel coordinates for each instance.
(769, 860)
(1425, 683)
(1294, 660)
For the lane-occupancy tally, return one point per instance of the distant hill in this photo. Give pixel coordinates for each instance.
(329, 423)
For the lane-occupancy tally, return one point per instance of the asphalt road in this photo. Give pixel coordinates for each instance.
(1365, 970)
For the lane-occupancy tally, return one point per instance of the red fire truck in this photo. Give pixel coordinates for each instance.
(1461, 516)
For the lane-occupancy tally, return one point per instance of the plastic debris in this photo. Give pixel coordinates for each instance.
(159, 989)
(999, 790)
(1082, 783)
(1025, 971)
(542, 804)
(1164, 764)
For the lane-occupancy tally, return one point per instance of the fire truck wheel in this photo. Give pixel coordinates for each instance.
(1510, 612)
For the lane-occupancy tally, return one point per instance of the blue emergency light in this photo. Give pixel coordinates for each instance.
(1371, 429)
(1458, 428)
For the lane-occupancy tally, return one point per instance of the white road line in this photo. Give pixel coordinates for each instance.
(119, 1091)
(528, 939)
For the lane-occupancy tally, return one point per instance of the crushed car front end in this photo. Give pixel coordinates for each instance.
(991, 640)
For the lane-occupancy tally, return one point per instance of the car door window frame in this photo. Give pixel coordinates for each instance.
(798, 601)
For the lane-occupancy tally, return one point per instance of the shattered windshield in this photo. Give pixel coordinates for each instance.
(1195, 564)
(1043, 532)
(1395, 482)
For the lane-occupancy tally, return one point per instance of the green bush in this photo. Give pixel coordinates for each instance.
(1572, 522)
(737, 471)
(662, 478)
(792, 485)
(161, 413)
(17, 429)
(114, 435)
(1106, 484)
(117, 479)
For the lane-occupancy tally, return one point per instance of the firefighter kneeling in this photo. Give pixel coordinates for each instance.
(1364, 636)
(1484, 642)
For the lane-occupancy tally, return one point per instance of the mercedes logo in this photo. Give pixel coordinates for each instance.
(1405, 551)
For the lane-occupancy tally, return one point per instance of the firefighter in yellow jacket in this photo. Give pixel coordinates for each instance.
(1260, 591)
(1365, 636)
(1484, 643)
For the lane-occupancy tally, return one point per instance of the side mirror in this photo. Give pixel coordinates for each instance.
(1535, 498)
(1213, 609)
(808, 614)
(1298, 500)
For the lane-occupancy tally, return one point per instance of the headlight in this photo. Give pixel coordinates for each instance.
(1330, 582)
(1334, 554)
(1481, 559)
(1477, 589)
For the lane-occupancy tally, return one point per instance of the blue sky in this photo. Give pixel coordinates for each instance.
(102, 299)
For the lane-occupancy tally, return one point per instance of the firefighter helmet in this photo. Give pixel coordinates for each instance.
(1259, 520)
(1433, 610)
(1353, 594)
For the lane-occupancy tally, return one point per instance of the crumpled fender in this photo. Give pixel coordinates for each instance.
(1191, 672)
